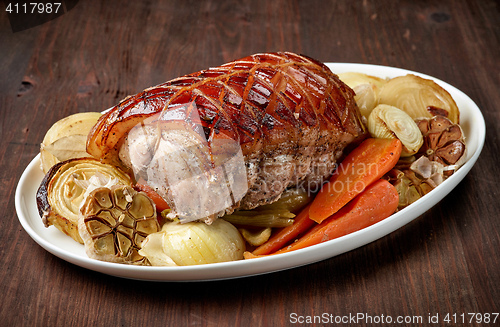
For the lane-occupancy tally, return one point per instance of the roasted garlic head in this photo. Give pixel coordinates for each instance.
(416, 179)
(114, 222)
(444, 142)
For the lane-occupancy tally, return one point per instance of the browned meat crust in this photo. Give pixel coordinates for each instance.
(289, 113)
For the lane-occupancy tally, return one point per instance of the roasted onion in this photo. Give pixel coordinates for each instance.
(64, 188)
(419, 97)
(66, 139)
(367, 89)
(390, 122)
(193, 243)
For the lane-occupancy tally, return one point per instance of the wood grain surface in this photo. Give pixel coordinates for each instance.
(446, 261)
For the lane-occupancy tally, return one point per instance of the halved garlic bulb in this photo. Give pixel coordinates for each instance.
(390, 122)
(114, 221)
(444, 142)
(419, 97)
(193, 243)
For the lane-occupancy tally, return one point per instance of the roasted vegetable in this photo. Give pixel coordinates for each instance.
(378, 201)
(366, 98)
(416, 180)
(67, 139)
(293, 200)
(193, 243)
(113, 223)
(261, 218)
(367, 163)
(64, 187)
(277, 214)
(444, 142)
(300, 225)
(367, 89)
(353, 79)
(419, 97)
(256, 237)
(390, 122)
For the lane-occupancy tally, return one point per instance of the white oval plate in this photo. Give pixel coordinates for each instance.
(65, 248)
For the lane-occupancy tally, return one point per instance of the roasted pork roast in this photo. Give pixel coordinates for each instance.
(234, 136)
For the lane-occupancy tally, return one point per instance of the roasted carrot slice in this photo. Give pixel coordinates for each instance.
(377, 202)
(365, 164)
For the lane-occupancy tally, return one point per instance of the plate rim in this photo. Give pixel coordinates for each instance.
(265, 265)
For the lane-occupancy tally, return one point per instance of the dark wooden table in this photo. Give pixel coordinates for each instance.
(445, 262)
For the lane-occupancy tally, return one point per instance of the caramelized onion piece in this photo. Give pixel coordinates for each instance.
(419, 97)
(367, 89)
(67, 139)
(64, 187)
(193, 243)
(390, 122)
